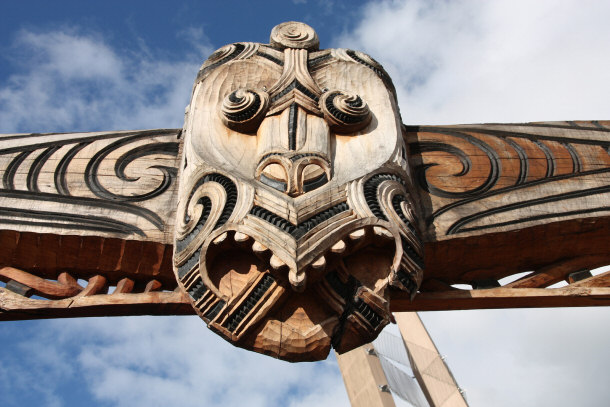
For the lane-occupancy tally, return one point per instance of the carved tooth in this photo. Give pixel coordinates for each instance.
(221, 238)
(258, 248)
(276, 262)
(319, 264)
(382, 232)
(338, 247)
(297, 280)
(241, 237)
(357, 235)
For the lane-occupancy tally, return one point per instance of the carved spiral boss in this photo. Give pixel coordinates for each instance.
(244, 109)
(345, 112)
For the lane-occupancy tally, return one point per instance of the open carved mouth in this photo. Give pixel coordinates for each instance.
(255, 281)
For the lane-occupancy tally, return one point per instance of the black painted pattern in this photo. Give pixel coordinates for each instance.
(248, 304)
(298, 231)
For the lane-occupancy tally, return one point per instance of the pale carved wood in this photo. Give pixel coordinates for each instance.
(429, 367)
(295, 214)
(364, 378)
(98, 207)
(294, 211)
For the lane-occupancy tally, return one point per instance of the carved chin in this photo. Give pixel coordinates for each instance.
(344, 303)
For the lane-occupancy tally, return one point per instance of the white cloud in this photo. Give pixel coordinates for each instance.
(501, 61)
(70, 81)
(156, 361)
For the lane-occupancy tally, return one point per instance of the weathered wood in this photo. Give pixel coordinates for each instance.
(497, 298)
(16, 307)
(294, 211)
(364, 379)
(110, 184)
(303, 207)
(435, 378)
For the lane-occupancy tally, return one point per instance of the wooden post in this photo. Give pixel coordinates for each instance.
(364, 379)
(437, 382)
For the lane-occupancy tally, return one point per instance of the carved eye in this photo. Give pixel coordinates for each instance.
(244, 109)
(345, 112)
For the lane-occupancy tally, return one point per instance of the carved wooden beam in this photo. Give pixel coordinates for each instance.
(294, 211)
(503, 199)
(96, 207)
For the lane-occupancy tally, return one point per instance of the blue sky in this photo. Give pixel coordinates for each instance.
(87, 66)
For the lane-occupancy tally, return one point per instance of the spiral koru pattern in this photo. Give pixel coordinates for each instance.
(201, 224)
(345, 112)
(244, 109)
(294, 35)
(382, 202)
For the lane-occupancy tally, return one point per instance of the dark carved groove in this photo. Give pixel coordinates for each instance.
(538, 217)
(8, 179)
(91, 171)
(61, 184)
(576, 163)
(197, 290)
(270, 58)
(353, 304)
(167, 148)
(550, 159)
(36, 167)
(315, 183)
(490, 182)
(245, 114)
(227, 210)
(298, 231)
(457, 226)
(90, 139)
(411, 253)
(367, 312)
(430, 146)
(92, 202)
(396, 201)
(66, 220)
(342, 116)
(205, 213)
(523, 161)
(377, 69)
(301, 155)
(370, 195)
(246, 306)
(531, 137)
(211, 314)
(370, 192)
(513, 188)
(275, 184)
(238, 48)
(189, 264)
(311, 64)
(230, 189)
(295, 85)
(293, 121)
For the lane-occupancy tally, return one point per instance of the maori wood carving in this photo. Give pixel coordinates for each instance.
(294, 211)
(294, 215)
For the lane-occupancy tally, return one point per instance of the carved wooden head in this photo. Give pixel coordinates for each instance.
(294, 214)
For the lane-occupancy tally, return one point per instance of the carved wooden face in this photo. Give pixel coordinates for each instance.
(294, 216)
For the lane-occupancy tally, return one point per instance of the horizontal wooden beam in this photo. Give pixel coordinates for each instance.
(16, 307)
(496, 298)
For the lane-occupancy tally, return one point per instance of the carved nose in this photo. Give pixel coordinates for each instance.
(294, 174)
(294, 151)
